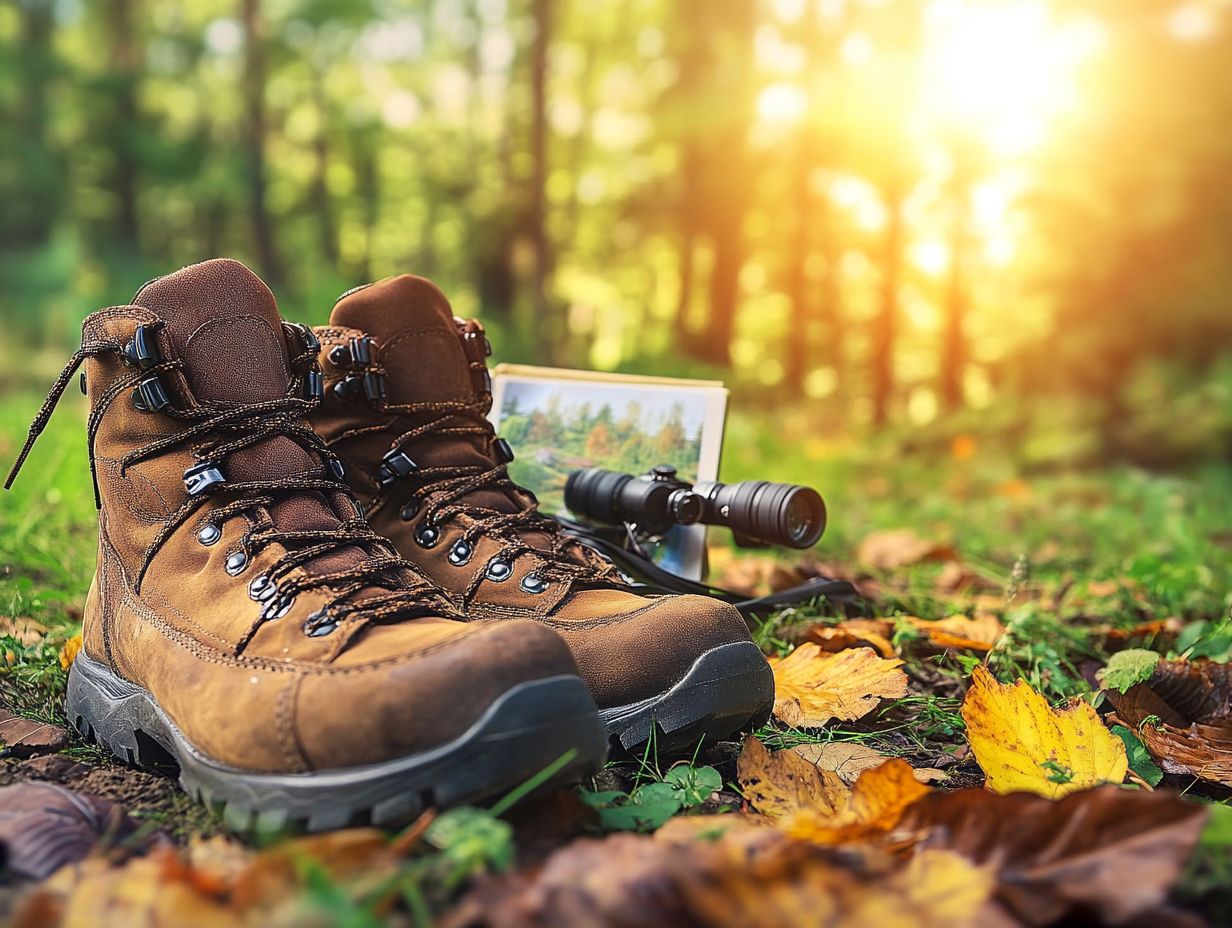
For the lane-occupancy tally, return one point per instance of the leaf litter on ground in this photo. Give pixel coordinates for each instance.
(830, 831)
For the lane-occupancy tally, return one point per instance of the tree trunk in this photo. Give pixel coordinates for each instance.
(368, 186)
(954, 339)
(124, 66)
(34, 198)
(728, 240)
(833, 346)
(254, 141)
(537, 220)
(885, 325)
(321, 205)
(798, 347)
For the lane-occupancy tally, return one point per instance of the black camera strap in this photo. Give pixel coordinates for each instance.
(652, 578)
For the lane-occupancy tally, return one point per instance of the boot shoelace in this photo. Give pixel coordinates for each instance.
(225, 432)
(444, 490)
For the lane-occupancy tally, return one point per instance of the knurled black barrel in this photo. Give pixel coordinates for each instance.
(775, 513)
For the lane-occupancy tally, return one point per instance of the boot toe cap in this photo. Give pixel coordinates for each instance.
(643, 646)
(414, 703)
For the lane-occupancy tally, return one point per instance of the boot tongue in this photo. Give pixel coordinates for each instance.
(412, 323)
(225, 326)
(423, 360)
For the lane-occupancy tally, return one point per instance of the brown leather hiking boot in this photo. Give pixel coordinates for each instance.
(407, 393)
(245, 621)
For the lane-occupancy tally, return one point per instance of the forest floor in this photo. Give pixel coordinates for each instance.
(973, 571)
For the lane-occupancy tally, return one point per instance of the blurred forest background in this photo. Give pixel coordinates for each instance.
(923, 217)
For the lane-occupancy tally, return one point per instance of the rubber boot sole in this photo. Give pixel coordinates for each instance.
(525, 731)
(727, 690)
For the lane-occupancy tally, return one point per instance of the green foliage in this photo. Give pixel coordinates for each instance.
(1127, 668)
(1140, 760)
(472, 841)
(649, 805)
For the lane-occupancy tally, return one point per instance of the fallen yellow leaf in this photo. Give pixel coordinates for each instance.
(849, 759)
(980, 633)
(874, 805)
(69, 651)
(812, 687)
(779, 782)
(1024, 745)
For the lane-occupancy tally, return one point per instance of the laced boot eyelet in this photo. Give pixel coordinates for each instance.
(209, 534)
(262, 589)
(409, 510)
(236, 563)
(319, 624)
(499, 570)
(149, 395)
(426, 536)
(534, 585)
(277, 607)
(461, 553)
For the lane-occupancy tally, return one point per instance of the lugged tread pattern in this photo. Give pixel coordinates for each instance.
(522, 733)
(727, 690)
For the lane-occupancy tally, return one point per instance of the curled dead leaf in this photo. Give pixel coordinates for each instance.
(1023, 744)
(978, 633)
(872, 806)
(21, 737)
(853, 633)
(768, 882)
(44, 827)
(776, 783)
(849, 759)
(812, 687)
(1183, 714)
(216, 883)
(1106, 851)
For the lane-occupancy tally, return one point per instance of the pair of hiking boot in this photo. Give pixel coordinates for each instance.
(318, 592)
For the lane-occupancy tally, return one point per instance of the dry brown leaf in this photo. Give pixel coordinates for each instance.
(956, 577)
(1023, 744)
(853, 633)
(1103, 588)
(812, 687)
(780, 782)
(631, 881)
(980, 633)
(685, 829)
(1157, 635)
(1107, 850)
(27, 631)
(849, 759)
(44, 827)
(21, 737)
(873, 806)
(214, 883)
(899, 547)
(1193, 703)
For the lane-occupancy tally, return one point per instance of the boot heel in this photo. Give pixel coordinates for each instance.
(113, 713)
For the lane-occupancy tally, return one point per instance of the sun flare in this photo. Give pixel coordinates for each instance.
(1002, 70)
